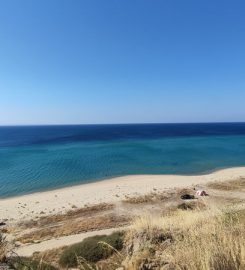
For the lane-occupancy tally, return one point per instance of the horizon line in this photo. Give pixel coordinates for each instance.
(107, 124)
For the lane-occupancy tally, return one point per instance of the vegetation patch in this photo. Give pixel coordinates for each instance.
(72, 214)
(50, 256)
(152, 197)
(228, 185)
(205, 240)
(193, 205)
(74, 227)
(92, 249)
(29, 264)
(3, 248)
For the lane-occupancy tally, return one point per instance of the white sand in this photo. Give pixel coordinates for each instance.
(60, 200)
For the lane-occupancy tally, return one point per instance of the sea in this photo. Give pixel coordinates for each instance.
(38, 158)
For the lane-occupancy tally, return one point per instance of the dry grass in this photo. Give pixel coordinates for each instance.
(186, 241)
(228, 185)
(218, 244)
(72, 214)
(85, 219)
(49, 256)
(153, 197)
(139, 199)
(52, 257)
(74, 227)
(111, 263)
(3, 248)
(192, 205)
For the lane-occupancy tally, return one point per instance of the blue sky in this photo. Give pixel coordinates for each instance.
(121, 61)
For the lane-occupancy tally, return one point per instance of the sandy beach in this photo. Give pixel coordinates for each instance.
(40, 204)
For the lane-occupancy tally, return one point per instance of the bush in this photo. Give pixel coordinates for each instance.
(185, 206)
(196, 205)
(91, 250)
(29, 264)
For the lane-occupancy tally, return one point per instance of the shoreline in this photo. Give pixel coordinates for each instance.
(88, 182)
(56, 201)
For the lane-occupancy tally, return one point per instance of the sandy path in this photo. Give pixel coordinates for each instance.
(59, 201)
(28, 250)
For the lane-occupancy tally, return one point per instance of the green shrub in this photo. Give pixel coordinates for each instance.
(91, 250)
(29, 264)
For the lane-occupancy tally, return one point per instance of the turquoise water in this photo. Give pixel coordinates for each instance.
(42, 158)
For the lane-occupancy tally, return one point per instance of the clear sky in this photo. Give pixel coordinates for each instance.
(121, 61)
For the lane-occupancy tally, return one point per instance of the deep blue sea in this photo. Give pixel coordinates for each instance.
(35, 158)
